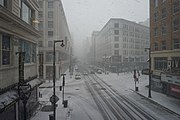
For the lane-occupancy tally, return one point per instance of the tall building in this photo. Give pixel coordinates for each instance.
(53, 26)
(18, 33)
(119, 45)
(165, 45)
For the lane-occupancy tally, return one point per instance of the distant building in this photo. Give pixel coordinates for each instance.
(119, 46)
(165, 45)
(18, 33)
(53, 26)
(145, 23)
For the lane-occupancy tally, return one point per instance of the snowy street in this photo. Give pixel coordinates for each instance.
(83, 106)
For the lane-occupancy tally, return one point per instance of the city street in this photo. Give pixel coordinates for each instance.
(83, 106)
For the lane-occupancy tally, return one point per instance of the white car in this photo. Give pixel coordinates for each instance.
(77, 76)
(85, 73)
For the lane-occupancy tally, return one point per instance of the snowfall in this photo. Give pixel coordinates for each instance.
(81, 105)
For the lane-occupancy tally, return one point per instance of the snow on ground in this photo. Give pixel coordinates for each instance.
(81, 105)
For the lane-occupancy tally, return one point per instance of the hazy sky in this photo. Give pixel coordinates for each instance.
(85, 16)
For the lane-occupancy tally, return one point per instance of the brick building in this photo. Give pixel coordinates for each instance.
(165, 45)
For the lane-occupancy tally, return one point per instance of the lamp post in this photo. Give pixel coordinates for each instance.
(149, 95)
(54, 75)
(24, 89)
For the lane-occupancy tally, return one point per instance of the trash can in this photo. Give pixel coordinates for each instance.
(65, 103)
(136, 88)
(51, 117)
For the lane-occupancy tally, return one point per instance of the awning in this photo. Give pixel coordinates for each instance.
(7, 98)
(35, 82)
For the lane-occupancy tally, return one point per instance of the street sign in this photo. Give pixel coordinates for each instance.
(52, 99)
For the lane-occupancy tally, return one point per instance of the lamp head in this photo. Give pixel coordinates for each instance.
(62, 44)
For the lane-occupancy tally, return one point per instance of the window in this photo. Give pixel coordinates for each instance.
(155, 46)
(160, 63)
(27, 14)
(33, 47)
(155, 16)
(41, 4)
(116, 52)
(116, 38)
(49, 56)
(176, 43)
(176, 24)
(163, 45)
(50, 43)
(116, 45)
(116, 25)
(164, 13)
(50, 14)
(40, 25)
(50, 24)
(116, 32)
(4, 3)
(40, 43)
(176, 6)
(50, 33)
(155, 3)
(40, 14)
(50, 4)
(163, 29)
(155, 31)
(6, 50)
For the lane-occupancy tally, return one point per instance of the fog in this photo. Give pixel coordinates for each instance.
(85, 16)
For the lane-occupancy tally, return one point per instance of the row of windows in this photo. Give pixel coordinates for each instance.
(163, 45)
(50, 14)
(50, 4)
(164, 11)
(176, 27)
(24, 46)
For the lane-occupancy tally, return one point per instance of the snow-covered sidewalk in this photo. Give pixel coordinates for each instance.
(125, 82)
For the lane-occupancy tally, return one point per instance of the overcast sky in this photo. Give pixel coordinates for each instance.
(85, 16)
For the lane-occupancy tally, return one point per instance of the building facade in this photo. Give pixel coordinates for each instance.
(53, 26)
(165, 45)
(120, 44)
(18, 33)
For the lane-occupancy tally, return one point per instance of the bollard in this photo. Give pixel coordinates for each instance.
(51, 117)
(137, 89)
(60, 88)
(65, 103)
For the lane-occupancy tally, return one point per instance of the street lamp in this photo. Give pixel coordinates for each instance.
(149, 95)
(54, 75)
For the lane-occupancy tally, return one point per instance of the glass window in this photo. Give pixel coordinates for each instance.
(156, 16)
(176, 24)
(40, 43)
(155, 31)
(176, 6)
(163, 44)
(50, 43)
(155, 3)
(40, 14)
(164, 31)
(50, 24)
(116, 52)
(116, 38)
(6, 50)
(50, 4)
(116, 45)
(50, 14)
(41, 4)
(116, 25)
(50, 33)
(116, 32)
(164, 13)
(3, 3)
(49, 56)
(33, 53)
(176, 43)
(155, 46)
(160, 63)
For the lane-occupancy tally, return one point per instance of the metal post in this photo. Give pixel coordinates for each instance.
(149, 73)
(25, 102)
(54, 74)
(149, 95)
(63, 84)
(54, 77)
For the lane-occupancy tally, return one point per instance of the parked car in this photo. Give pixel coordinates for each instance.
(77, 76)
(85, 73)
(99, 72)
(92, 72)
